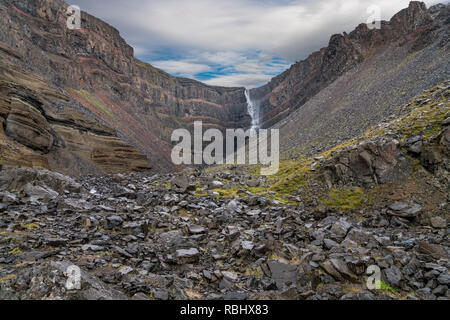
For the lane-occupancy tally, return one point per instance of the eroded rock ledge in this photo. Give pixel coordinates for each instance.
(40, 129)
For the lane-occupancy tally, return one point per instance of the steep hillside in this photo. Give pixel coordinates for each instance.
(352, 84)
(96, 67)
(403, 150)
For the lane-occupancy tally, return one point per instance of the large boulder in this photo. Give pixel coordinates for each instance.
(49, 280)
(369, 164)
(20, 179)
(283, 274)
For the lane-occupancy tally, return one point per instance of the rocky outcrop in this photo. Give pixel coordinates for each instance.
(26, 125)
(96, 67)
(414, 27)
(417, 135)
(16, 180)
(436, 156)
(369, 164)
(41, 129)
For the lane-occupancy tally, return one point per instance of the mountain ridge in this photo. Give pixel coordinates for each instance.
(344, 51)
(95, 70)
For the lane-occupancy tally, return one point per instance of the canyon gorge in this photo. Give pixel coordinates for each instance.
(92, 73)
(87, 180)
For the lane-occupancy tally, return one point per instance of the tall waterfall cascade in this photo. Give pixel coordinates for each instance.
(253, 110)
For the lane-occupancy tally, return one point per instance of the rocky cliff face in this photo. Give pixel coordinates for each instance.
(413, 27)
(96, 68)
(40, 128)
(94, 71)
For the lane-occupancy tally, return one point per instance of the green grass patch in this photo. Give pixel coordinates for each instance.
(199, 192)
(291, 178)
(385, 287)
(30, 226)
(15, 251)
(257, 191)
(227, 193)
(95, 101)
(348, 199)
(423, 117)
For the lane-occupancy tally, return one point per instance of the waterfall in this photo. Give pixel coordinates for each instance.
(253, 110)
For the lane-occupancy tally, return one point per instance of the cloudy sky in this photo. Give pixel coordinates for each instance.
(233, 42)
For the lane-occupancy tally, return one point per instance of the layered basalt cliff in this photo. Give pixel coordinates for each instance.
(96, 67)
(414, 27)
(40, 128)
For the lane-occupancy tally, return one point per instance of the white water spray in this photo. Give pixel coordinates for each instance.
(253, 110)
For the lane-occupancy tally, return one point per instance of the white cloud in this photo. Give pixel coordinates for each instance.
(248, 80)
(290, 29)
(219, 57)
(182, 68)
(271, 26)
(236, 69)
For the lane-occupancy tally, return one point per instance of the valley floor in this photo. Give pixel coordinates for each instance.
(134, 236)
(312, 231)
